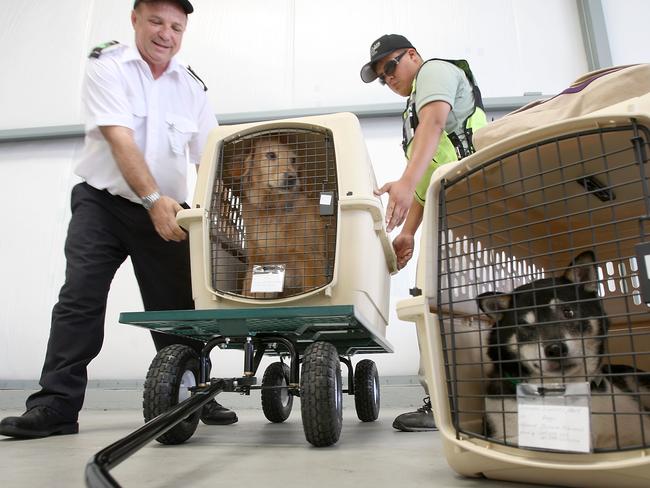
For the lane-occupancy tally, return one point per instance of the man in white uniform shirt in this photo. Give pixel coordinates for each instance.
(147, 117)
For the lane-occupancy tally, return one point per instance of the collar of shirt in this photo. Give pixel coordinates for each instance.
(131, 54)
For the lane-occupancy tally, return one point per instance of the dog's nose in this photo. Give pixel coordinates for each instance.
(556, 350)
(290, 180)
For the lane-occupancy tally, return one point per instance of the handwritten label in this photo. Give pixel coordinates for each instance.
(268, 279)
(562, 428)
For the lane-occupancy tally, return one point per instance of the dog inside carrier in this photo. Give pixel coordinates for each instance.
(543, 259)
(272, 220)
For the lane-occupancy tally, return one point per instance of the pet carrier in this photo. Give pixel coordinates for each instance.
(533, 316)
(284, 213)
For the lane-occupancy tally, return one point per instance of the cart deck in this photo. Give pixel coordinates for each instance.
(340, 325)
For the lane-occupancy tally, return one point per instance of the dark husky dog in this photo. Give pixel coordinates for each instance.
(553, 330)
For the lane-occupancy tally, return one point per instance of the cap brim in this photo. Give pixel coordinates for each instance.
(368, 74)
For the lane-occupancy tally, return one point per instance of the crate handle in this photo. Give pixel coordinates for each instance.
(186, 216)
(373, 206)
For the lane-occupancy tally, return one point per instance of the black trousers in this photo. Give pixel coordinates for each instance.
(103, 231)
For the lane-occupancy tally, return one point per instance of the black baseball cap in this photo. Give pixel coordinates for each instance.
(386, 44)
(187, 6)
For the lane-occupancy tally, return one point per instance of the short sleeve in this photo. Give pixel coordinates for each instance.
(104, 95)
(437, 81)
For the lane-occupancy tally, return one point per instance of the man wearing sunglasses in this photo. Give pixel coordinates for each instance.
(443, 110)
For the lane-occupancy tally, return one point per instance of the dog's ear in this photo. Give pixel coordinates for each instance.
(583, 270)
(493, 303)
(246, 165)
(235, 162)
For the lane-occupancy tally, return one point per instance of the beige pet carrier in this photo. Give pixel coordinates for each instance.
(514, 212)
(284, 214)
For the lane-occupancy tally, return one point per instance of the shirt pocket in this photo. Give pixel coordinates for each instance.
(180, 131)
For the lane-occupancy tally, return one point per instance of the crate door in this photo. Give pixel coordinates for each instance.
(273, 214)
(524, 217)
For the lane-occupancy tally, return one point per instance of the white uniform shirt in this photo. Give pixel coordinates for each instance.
(170, 118)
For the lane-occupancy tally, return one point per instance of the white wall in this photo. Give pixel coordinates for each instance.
(255, 55)
(258, 55)
(627, 24)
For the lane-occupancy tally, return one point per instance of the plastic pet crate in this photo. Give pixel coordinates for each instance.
(284, 215)
(514, 213)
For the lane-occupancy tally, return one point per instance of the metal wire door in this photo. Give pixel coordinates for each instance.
(273, 214)
(524, 217)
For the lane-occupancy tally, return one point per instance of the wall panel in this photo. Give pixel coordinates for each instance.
(264, 55)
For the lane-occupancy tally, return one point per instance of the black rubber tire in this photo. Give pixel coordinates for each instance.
(276, 402)
(366, 391)
(171, 366)
(321, 394)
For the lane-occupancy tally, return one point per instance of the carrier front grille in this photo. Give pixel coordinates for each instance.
(557, 222)
(273, 214)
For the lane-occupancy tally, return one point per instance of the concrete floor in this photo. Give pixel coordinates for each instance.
(252, 452)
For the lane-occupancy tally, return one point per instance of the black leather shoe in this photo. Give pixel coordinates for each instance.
(215, 414)
(40, 421)
(418, 421)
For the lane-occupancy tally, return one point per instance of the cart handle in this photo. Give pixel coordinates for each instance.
(97, 469)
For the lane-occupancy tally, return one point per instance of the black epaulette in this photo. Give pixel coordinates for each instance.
(196, 77)
(98, 50)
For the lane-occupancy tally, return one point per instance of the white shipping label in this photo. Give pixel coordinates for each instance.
(326, 199)
(268, 279)
(557, 427)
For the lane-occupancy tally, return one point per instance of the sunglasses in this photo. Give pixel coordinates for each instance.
(390, 67)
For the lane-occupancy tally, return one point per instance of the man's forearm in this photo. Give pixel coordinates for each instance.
(425, 143)
(413, 219)
(130, 160)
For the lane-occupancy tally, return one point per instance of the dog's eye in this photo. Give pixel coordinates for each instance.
(568, 313)
(271, 155)
(292, 161)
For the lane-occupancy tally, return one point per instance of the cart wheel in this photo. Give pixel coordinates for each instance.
(321, 394)
(276, 402)
(366, 391)
(173, 370)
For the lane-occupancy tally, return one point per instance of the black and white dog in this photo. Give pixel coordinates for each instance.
(554, 330)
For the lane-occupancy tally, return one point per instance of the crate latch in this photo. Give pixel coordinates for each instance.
(643, 261)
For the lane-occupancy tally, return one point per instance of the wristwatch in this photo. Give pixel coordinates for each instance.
(149, 200)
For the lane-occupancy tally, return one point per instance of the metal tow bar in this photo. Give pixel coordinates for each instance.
(97, 469)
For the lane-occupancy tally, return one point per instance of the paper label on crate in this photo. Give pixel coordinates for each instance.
(326, 199)
(561, 428)
(268, 279)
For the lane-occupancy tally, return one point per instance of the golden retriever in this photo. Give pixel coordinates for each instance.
(281, 219)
